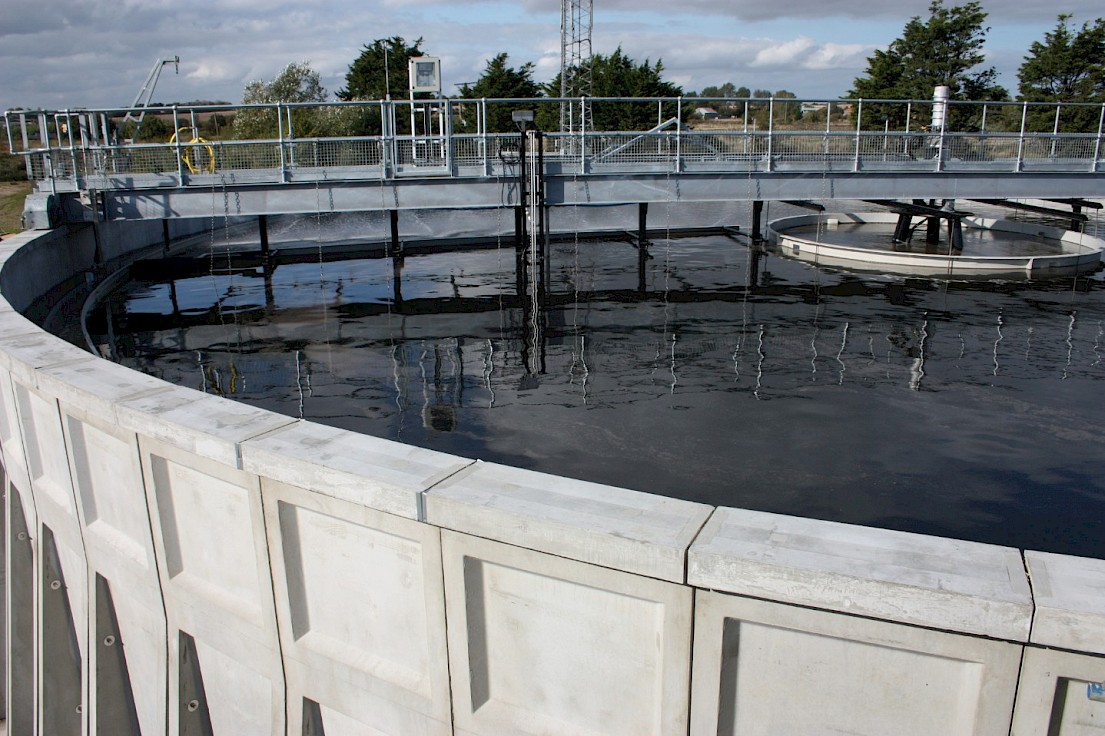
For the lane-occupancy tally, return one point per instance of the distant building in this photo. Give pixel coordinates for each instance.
(706, 113)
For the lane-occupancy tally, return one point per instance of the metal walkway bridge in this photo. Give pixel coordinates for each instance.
(396, 155)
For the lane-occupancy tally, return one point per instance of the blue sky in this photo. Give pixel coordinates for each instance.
(96, 53)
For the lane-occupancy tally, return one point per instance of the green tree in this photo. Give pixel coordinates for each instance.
(499, 81)
(946, 49)
(1068, 66)
(297, 82)
(381, 71)
(617, 75)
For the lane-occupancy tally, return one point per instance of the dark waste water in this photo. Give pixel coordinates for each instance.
(971, 411)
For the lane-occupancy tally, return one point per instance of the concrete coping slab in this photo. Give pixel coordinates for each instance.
(95, 386)
(23, 355)
(369, 471)
(13, 324)
(1070, 601)
(603, 525)
(205, 425)
(947, 584)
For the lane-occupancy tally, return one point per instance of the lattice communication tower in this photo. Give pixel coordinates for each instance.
(576, 22)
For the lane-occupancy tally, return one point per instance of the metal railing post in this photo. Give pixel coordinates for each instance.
(943, 138)
(48, 157)
(447, 131)
(179, 152)
(280, 140)
(1097, 143)
(679, 135)
(583, 135)
(859, 125)
(292, 156)
(828, 127)
(481, 128)
(770, 133)
(1055, 131)
(386, 157)
(26, 145)
(72, 144)
(1019, 165)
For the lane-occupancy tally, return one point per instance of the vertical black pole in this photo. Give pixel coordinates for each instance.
(393, 218)
(754, 268)
(395, 250)
(520, 235)
(263, 231)
(932, 229)
(642, 224)
(165, 237)
(901, 230)
(397, 279)
(757, 215)
(544, 274)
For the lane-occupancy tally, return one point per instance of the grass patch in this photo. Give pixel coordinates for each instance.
(12, 195)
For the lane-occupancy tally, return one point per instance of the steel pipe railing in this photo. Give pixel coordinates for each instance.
(286, 142)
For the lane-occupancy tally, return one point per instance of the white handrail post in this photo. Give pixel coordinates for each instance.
(447, 131)
(583, 135)
(770, 132)
(1097, 143)
(291, 138)
(1055, 130)
(859, 124)
(1019, 166)
(679, 135)
(179, 153)
(828, 126)
(481, 128)
(940, 144)
(280, 140)
(72, 145)
(44, 139)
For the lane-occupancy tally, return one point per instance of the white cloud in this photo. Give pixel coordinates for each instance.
(213, 71)
(839, 56)
(788, 53)
(98, 52)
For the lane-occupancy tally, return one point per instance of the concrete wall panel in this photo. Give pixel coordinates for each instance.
(764, 668)
(11, 435)
(46, 460)
(542, 645)
(209, 539)
(107, 475)
(1052, 698)
(362, 612)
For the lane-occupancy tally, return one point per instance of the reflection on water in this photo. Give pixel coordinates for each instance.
(971, 411)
